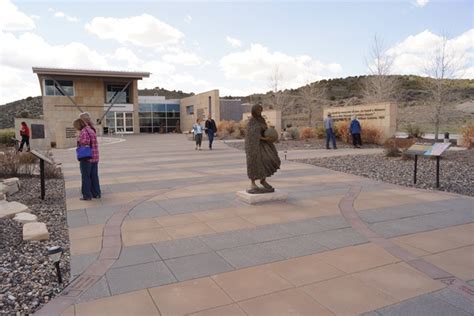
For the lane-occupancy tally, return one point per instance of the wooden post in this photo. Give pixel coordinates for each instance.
(416, 165)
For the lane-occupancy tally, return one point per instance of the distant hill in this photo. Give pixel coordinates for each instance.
(413, 98)
(166, 93)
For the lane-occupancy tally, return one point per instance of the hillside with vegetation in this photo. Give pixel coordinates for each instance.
(412, 93)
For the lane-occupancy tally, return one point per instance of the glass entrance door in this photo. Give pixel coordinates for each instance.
(120, 122)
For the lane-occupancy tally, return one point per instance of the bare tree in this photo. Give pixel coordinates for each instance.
(441, 67)
(379, 85)
(312, 95)
(280, 99)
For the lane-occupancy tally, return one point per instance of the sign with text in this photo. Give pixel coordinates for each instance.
(436, 149)
(37, 131)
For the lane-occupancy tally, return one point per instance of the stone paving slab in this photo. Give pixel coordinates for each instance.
(130, 278)
(308, 226)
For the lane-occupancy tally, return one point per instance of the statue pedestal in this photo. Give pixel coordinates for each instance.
(261, 198)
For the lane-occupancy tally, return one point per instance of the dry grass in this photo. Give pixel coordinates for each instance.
(370, 134)
(231, 129)
(467, 136)
(307, 133)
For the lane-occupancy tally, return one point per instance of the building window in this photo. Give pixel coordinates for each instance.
(115, 95)
(190, 110)
(51, 87)
(159, 118)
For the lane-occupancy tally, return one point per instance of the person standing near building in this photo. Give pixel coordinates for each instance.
(355, 130)
(329, 127)
(25, 137)
(211, 130)
(197, 130)
(89, 167)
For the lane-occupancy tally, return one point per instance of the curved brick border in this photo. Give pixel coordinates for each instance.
(109, 253)
(347, 210)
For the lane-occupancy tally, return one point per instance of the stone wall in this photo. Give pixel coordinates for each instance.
(380, 115)
(37, 143)
(273, 118)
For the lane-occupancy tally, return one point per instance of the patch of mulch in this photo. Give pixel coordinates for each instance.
(27, 277)
(456, 170)
(312, 143)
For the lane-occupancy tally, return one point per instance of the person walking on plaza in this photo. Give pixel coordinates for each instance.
(197, 130)
(25, 137)
(89, 166)
(211, 129)
(355, 131)
(329, 127)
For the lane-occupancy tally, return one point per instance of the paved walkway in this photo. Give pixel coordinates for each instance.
(169, 238)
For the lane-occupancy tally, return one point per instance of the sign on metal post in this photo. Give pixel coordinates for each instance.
(427, 150)
(42, 159)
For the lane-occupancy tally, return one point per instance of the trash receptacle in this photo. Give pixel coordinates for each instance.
(446, 137)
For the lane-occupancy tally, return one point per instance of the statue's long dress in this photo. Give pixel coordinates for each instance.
(262, 156)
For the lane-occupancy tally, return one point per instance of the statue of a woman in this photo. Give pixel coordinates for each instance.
(262, 156)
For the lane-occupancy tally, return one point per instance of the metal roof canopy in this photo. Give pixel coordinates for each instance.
(90, 73)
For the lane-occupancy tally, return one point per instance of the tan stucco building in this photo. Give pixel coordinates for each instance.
(67, 92)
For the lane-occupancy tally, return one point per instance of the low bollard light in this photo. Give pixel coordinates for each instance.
(55, 253)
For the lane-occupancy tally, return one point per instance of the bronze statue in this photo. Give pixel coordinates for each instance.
(262, 156)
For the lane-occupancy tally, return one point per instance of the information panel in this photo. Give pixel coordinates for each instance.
(436, 149)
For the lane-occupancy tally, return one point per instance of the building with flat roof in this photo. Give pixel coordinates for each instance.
(68, 92)
(111, 98)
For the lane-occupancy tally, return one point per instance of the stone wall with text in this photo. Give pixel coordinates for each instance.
(380, 115)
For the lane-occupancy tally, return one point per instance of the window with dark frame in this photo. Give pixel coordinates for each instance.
(51, 88)
(113, 93)
(190, 109)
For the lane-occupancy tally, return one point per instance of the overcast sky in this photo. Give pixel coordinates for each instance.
(232, 46)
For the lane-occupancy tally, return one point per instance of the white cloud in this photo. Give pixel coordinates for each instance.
(234, 42)
(35, 17)
(144, 30)
(413, 55)
(422, 3)
(257, 63)
(188, 19)
(183, 58)
(11, 19)
(59, 14)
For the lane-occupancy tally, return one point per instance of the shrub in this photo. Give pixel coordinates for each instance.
(6, 136)
(14, 164)
(394, 147)
(413, 131)
(371, 135)
(294, 133)
(320, 132)
(341, 129)
(231, 129)
(467, 135)
(307, 132)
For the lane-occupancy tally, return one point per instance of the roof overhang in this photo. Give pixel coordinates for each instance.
(90, 73)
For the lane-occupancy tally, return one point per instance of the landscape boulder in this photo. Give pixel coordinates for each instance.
(10, 186)
(35, 231)
(9, 209)
(25, 218)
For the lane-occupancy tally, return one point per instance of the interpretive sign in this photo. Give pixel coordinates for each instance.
(37, 131)
(427, 150)
(70, 132)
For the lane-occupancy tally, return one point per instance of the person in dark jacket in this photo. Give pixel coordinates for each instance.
(211, 130)
(25, 137)
(355, 130)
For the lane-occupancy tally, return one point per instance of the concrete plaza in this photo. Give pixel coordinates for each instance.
(168, 237)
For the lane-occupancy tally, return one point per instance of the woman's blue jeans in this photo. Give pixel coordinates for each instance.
(90, 179)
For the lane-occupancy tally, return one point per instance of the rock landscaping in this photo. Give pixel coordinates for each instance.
(28, 277)
(456, 170)
(311, 143)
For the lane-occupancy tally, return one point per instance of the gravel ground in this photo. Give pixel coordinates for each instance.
(27, 279)
(456, 170)
(312, 143)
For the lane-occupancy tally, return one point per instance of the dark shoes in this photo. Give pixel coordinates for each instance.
(84, 199)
